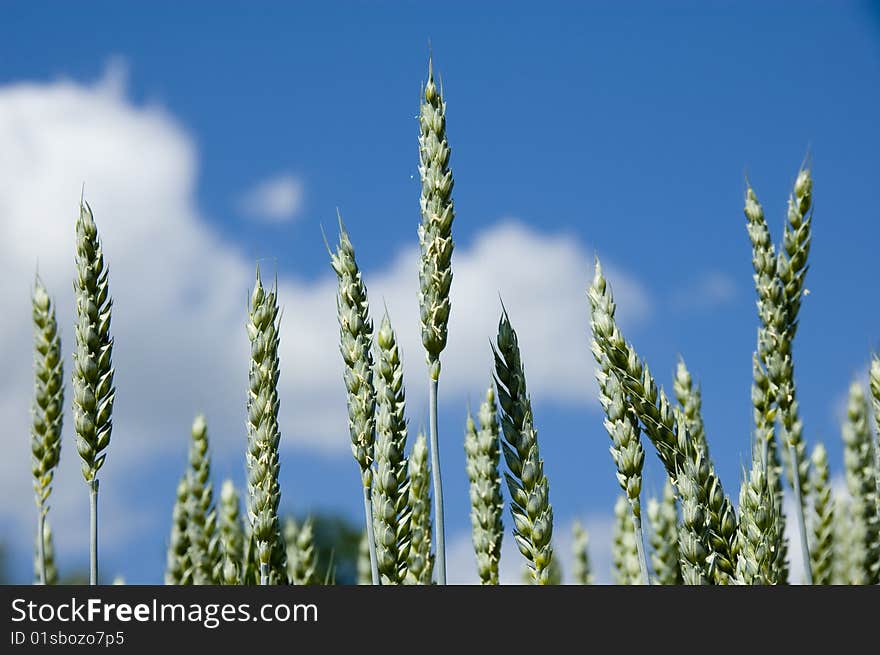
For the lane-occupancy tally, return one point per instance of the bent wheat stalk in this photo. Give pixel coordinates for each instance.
(435, 270)
(46, 413)
(93, 390)
(529, 490)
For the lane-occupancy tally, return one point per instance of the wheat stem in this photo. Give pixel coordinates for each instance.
(93, 532)
(440, 536)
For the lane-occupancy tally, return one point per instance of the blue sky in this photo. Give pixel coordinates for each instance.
(618, 129)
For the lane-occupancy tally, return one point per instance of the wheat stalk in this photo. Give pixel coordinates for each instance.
(93, 391)
(46, 412)
(859, 461)
(529, 490)
(670, 437)
(582, 570)
(301, 555)
(391, 513)
(264, 434)
(624, 552)
(204, 543)
(420, 563)
(482, 454)
(45, 572)
(178, 568)
(231, 534)
(356, 337)
(663, 519)
(760, 531)
(822, 551)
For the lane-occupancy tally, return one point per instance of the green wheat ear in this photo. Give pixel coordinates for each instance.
(420, 562)
(583, 569)
(264, 435)
(435, 272)
(391, 512)
(859, 462)
(663, 519)
(204, 542)
(301, 555)
(46, 412)
(231, 533)
(483, 453)
(822, 551)
(529, 489)
(178, 568)
(45, 571)
(624, 552)
(93, 390)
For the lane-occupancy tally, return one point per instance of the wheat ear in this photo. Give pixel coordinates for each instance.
(670, 437)
(663, 519)
(231, 534)
(760, 531)
(204, 544)
(874, 382)
(93, 390)
(435, 270)
(624, 553)
(46, 412)
(822, 551)
(583, 569)
(264, 434)
(45, 572)
(482, 455)
(178, 568)
(691, 401)
(364, 565)
(859, 462)
(420, 563)
(842, 569)
(301, 554)
(356, 338)
(529, 489)
(391, 514)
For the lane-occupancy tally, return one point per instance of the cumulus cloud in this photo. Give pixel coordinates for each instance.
(179, 295)
(275, 200)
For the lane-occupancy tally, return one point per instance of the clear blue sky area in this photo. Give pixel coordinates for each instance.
(629, 126)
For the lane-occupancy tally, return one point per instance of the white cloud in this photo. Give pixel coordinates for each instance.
(275, 200)
(179, 295)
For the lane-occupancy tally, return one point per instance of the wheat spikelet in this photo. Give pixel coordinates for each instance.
(420, 563)
(859, 462)
(178, 568)
(670, 437)
(264, 435)
(822, 551)
(301, 555)
(46, 410)
(583, 569)
(529, 490)
(93, 391)
(391, 514)
(483, 452)
(204, 543)
(231, 534)
(663, 519)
